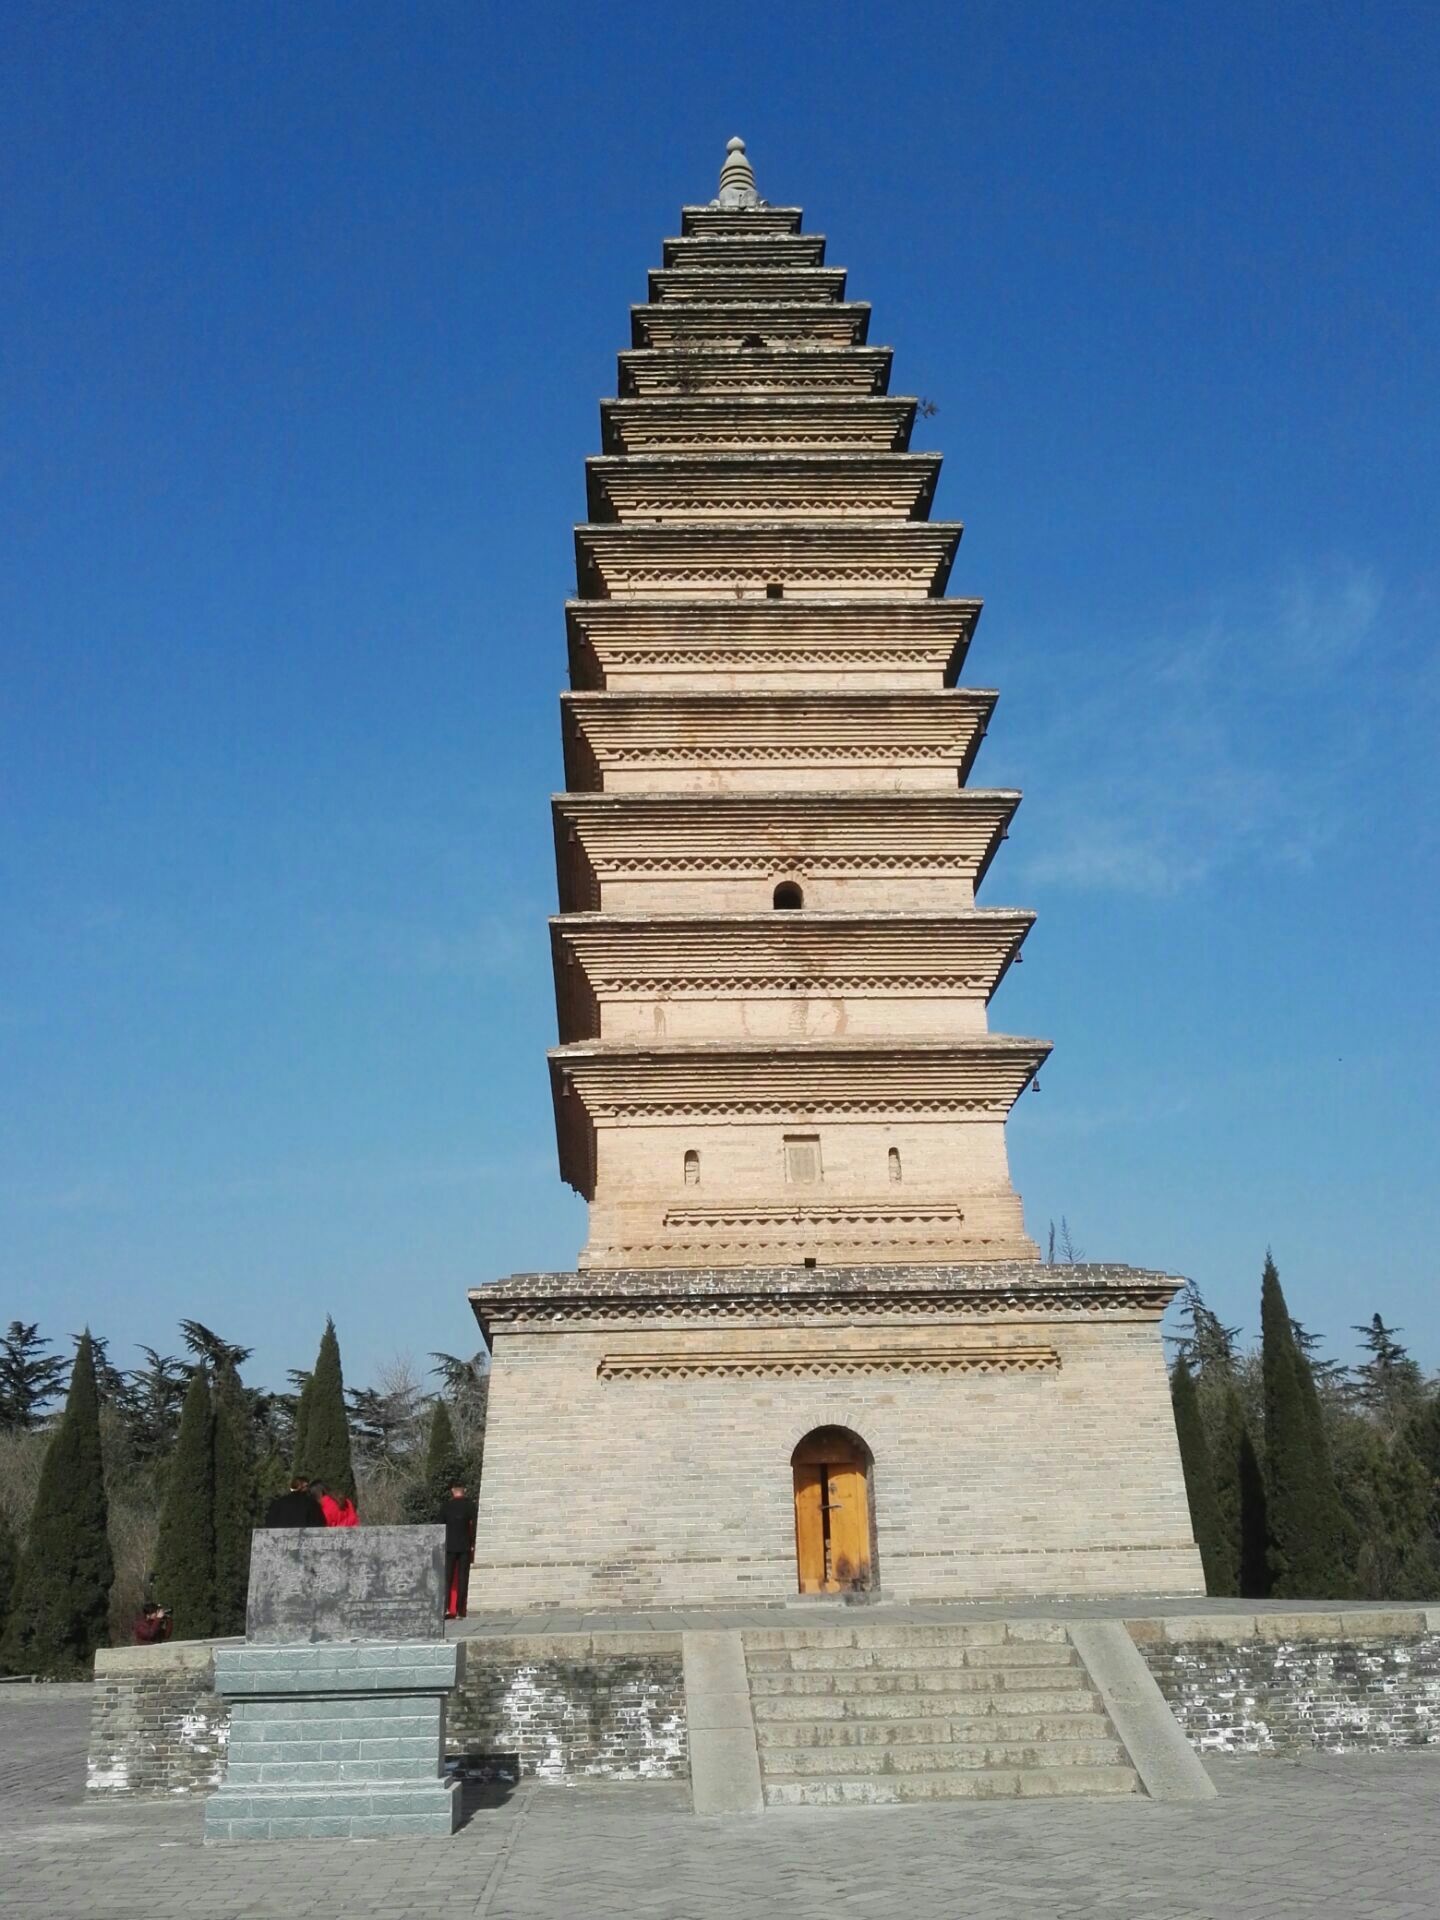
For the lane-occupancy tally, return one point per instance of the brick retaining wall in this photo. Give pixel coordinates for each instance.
(1295, 1683)
(564, 1706)
(157, 1726)
(557, 1707)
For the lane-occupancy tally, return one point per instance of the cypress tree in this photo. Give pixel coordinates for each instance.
(1309, 1531)
(1199, 1480)
(235, 1499)
(1254, 1520)
(302, 1422)
(444, 1468)
(9, 1567)
(323, 1442)
(61, 1598)
(1240, 1494)
(185, 1551)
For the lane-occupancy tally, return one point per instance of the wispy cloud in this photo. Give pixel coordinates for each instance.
(1229, 737)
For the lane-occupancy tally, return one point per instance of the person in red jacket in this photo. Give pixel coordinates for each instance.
(153, 1624)
(338, 1508)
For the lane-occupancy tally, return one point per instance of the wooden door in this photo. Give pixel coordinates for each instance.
(810, 1527)
(849, 1527)
(832, 1514)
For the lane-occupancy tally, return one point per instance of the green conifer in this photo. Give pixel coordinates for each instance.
(303, 1405)
(1387, 1494)
(322, 1449)
(1199, 1470)
(1310, 1538)
(444, 1468)
(1422, 1433)
(185, 1551)
(9, 1567)
(1254, 1520)
(61, 1600)
(235, 1499)
(1240, 1497)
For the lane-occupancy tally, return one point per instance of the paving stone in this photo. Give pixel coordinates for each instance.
(1320, 1838)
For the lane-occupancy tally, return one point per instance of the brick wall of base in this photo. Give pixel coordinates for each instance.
(1065, 1480)
(556, 1707)
(1280, 1683)
(564, 1707)
(157, 1725)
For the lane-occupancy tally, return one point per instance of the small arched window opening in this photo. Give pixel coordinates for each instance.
(753, 340)
(894, 1166)
(788, 896)
(692, 1167)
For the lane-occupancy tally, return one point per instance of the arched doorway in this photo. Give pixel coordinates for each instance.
(832, 1511)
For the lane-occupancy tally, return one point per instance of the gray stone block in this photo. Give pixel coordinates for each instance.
(338, 1584)
(327, 1669)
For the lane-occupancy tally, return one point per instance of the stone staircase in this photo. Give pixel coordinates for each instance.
(880, 1714)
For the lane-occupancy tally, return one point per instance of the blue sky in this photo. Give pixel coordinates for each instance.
(309, 310)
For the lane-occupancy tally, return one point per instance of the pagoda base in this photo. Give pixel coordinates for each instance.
(1012, 1420)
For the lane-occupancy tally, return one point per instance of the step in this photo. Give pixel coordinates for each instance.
(1022, 1703)
(929, 1730)
(896, 1659)
(946, 1756)
(981, 1680)
(983, 1784)
(979, 1633)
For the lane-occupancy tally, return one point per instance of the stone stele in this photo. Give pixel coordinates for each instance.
(313, 1584)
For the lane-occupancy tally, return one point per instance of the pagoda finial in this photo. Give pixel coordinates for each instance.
(737, 178)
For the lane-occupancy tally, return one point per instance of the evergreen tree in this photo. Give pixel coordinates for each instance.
(304, 1400)
(444, 1468)
(185, 1550)
(1389, 1384)
(235, 1499)
(1254, 1521)
(150, 1404)
(1207, 1346)
(212, 1350)
(1227, 1430)
(272, 1476)
(1423, 1434)
(9, 1567)
(109, 1380)
(62, 1592)
(30, 1378)
(1387, 1492)
(1310, 1537)
(1330, 1377)
(323, 1450)
(1199, 1478)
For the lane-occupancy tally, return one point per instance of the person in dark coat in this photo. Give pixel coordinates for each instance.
(153, 1624)
(458, 1518)
(297, 1508)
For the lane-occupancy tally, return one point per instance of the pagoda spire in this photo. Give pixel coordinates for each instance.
(737, 178)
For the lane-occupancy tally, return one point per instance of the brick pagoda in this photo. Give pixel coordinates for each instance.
(809, 1346)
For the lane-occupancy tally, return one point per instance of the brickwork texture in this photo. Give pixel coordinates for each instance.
(563, 1707)
(1294, 1691)
(158, 1727)
(1011, 1483)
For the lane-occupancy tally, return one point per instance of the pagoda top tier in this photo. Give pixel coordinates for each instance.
(737, 209)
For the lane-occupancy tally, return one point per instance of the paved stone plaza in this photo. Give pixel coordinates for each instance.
(1336, 1837)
